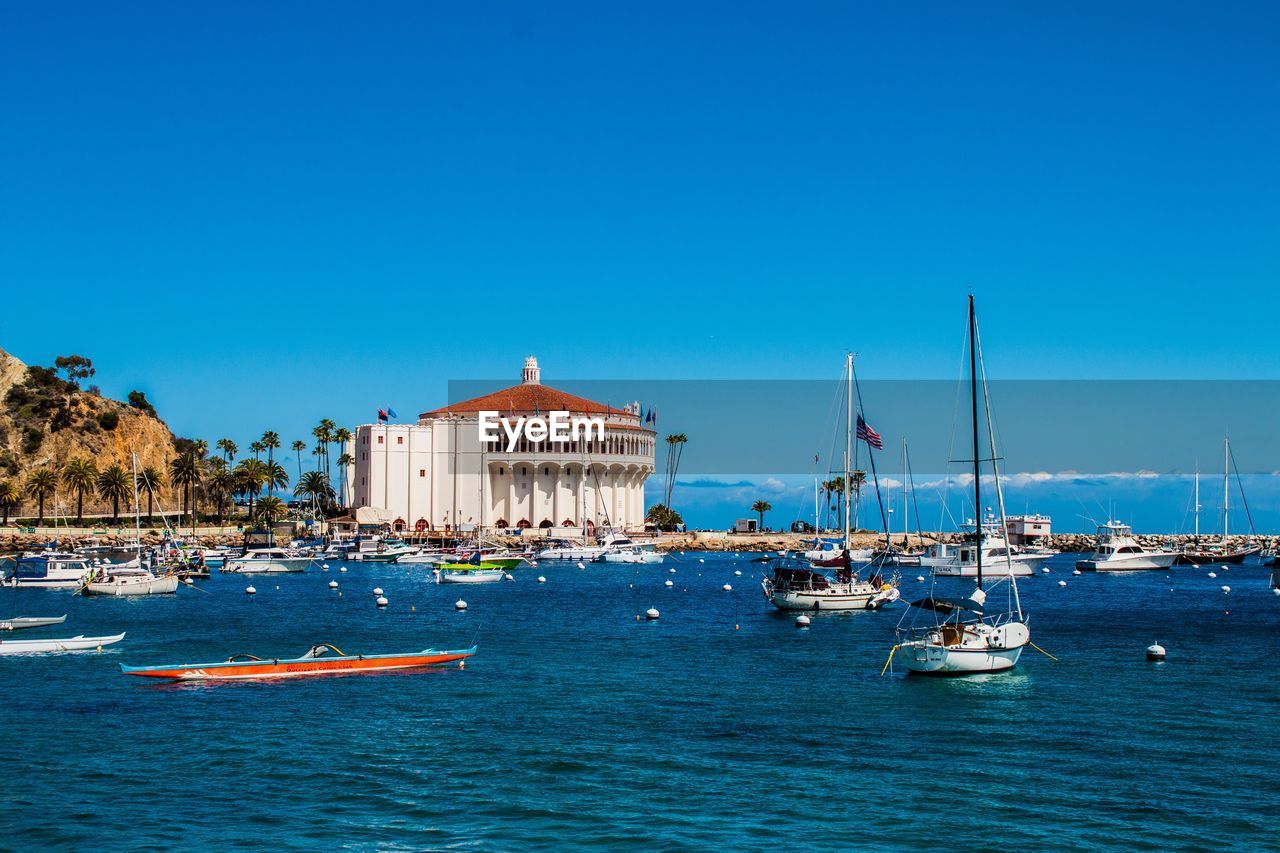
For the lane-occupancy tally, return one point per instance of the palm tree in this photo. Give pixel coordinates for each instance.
(10, 495)
(257, 447)
(345, 461)
(276, 477)
(113, 484)
(152, 479)
(41, 483)
(250, 476)
(324, 434)
(761, 507)
(675, 449)
(312, 485)
(201, 448)
(222, 483)
(271, 441)
(184, 474)
(298, 448)
(80, 475)
(269, 507)
(228, 448)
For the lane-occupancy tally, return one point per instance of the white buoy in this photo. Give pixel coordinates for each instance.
(1062, 583)
(1076, 572)
(920, 578)
(671, 571)
(1045, 570)
(377, 590)
(188, 581)
(669, 583)
(324, 566)
(581, 565)
(802, 621)
(1226, 588)
(651, 613)
(459, 605)
(1155, 651)
(381, 601)
(541, 579)
(737, 573)
(727, 588)
(533, 563)
(248, 590)
(507, 576)
(333, 584)
(1213, 574)
(343, 569)
(700, 560)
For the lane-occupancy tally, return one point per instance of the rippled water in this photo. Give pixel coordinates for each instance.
(576, 725)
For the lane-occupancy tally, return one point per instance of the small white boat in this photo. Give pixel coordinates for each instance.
(1118, 551)
(130, 581)
(18, 623)
(49, 570)
(69, 644)
(268, 561)
(425, 558)
(461, 575)
(634, 554)
(581, 553)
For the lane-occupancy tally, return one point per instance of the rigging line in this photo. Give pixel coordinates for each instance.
(915, 503)
(1243, 499)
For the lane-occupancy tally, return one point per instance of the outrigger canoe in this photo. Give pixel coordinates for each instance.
(66, 644)
(314, 662)
(19, 622)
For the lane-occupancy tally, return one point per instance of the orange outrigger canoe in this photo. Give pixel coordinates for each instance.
(314, 662)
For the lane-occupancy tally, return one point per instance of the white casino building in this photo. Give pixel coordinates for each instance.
(436, 473)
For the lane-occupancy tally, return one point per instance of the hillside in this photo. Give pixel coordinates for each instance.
(47, 420)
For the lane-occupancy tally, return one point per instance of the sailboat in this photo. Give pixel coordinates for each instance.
(1195, 554)
(964, 635)
(131, 578)
(831, 584)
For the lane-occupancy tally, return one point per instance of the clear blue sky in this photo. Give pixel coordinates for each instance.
(263, 214)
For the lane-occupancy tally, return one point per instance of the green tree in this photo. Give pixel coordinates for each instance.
(76, 367)
(323, 434)
(113, 484)
(271, 441)
(222, 484)
(313, 486)
(250, 476)
(663, 517)
(256, 448)
(228, 448)
(269, 508)
(761, 507)
(345, 461)
(184, 474)
(299, 448)
(41, 484)
(152, 479)
(80, 475)
(10, 495)
(675, 450)
(139, 401)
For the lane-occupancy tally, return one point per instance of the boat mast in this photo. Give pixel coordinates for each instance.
(1196, 501)
(137, 520)
(1226, 485)
(848, 443)
(905, 531)
(973, 411)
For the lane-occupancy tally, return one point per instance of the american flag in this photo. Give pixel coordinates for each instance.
(867, 434)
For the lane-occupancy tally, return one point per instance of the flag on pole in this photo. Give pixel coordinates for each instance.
(382, 416)
(869, 435)
(392, 412)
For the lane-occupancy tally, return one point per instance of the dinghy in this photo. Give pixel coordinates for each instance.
(69, 644)
(315, 662)
(20, 622)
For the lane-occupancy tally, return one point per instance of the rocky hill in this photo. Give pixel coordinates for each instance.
(47, 420)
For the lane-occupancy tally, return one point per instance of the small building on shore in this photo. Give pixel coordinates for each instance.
(439, 474)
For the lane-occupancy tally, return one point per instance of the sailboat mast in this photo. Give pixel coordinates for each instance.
(1226, 484)
(973, 411)
(904, 494)
(137, 519)
(848, 443)
(1196, 501)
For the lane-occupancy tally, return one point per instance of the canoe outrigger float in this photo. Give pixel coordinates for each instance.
(313, 662)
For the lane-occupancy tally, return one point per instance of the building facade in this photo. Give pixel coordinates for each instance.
(437, 473)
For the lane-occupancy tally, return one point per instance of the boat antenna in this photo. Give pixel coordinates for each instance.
(973, 412)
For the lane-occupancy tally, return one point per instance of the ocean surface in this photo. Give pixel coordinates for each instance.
(576, 726)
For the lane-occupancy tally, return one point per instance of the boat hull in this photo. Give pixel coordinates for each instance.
(268, 567)
(1216, 558)
(68, 644)
(166, 585)
(985, 651)
(852, 597)
(485, 575)
(297, 667)
(1135, 563)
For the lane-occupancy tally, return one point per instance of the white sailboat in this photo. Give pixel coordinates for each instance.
(963, 636)
(831, 584)
(131, 578)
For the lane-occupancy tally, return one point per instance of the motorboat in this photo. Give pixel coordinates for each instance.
(67, 644)
(960, 559)
(1117, 551)
(386, 551)
(482, 572)
(568, 551)
(268, 561)
(49, 570)
(646, 554)
(317, 661)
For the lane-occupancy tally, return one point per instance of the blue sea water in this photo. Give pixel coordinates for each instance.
(576, 726)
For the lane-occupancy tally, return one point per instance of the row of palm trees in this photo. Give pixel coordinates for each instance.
(196, 475)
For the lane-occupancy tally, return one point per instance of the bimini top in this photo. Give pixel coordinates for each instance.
(948, 605)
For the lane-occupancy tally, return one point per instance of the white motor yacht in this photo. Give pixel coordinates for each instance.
(1118, 551)
(267, 561)
(49, 570)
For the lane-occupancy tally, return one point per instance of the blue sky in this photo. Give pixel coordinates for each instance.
(263, 214)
